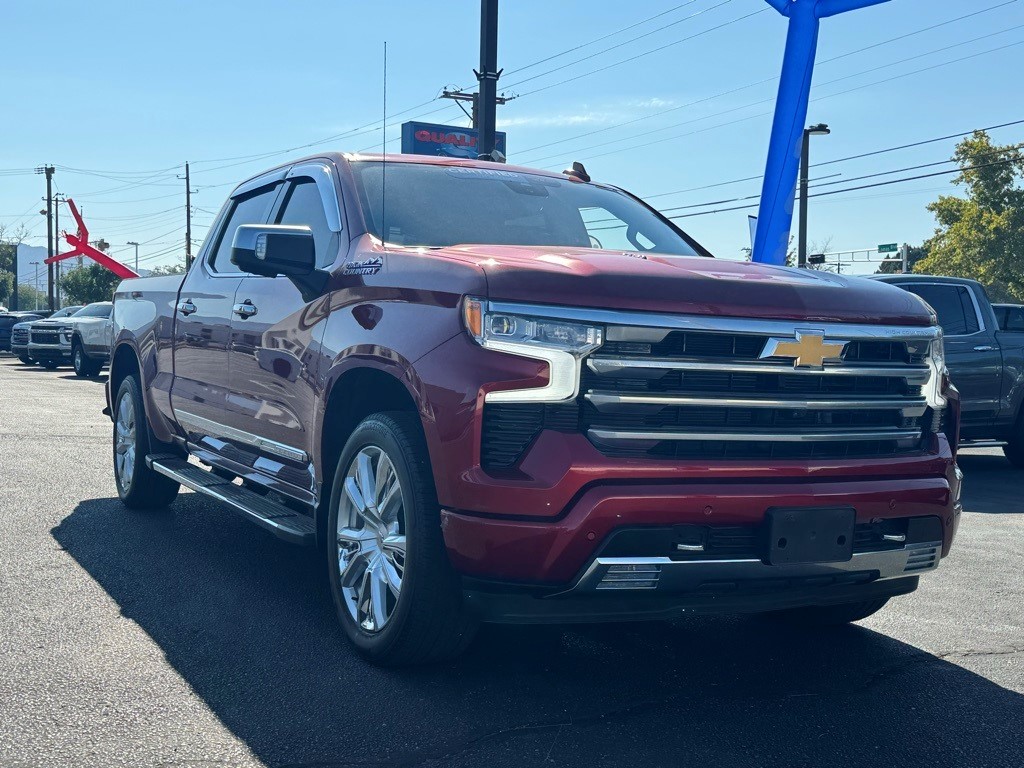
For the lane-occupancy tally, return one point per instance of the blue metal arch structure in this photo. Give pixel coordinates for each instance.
(775, 216)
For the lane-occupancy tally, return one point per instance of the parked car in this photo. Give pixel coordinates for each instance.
(51, 340)
(509, 395)
(7, 322)
(985, 361)
(1010, 317)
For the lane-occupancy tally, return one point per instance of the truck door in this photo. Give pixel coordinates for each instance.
(274, 331)
(1011, 344)
(200, 394)
(972, 352)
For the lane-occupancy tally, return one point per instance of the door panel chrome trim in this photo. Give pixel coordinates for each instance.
(212, 428)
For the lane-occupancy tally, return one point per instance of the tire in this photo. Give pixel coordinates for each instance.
(85, 367)
(831, 615)
(138, 486)
(25, 359)
(424, 620)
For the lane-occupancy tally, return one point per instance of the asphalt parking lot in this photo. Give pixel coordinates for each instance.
(193, 638)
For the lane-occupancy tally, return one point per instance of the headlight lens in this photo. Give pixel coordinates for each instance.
(559, 343)
(65, 332)
(937, 364)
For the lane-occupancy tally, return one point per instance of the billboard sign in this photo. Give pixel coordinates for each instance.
(444, 140)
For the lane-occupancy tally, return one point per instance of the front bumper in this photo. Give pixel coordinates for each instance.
(49, 352)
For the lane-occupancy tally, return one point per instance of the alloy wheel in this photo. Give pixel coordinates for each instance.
(124, 441)
(371, 539)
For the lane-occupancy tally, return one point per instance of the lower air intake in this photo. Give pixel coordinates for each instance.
(631, 577)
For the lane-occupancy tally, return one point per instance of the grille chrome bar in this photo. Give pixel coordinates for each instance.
(629, 366)
(911, 406)
(779, 437)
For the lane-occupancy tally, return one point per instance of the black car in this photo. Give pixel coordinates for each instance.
(985, 359)
(8, 320)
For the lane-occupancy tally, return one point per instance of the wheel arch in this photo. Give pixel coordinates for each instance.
(352, 396)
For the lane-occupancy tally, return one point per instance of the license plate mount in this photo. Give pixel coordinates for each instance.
(800, 535)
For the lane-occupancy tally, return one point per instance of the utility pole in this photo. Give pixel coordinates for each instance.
(131, 242)
(488, 75)
(904, 258)
(14, 256)
(35, 282)
(188, 221)
(48, 170)
(805, 156)
(57, 199)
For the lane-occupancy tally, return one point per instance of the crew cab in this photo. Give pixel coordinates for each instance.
(498, 394)
(985, 358)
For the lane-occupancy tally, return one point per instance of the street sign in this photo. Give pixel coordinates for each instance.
(888, 248)
(445, 140)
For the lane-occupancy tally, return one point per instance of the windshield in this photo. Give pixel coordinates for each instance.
(67, 311)
(436, 206)
(94, 310)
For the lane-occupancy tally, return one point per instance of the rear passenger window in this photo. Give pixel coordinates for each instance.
(953, 305)
(252, 208)
(305, 207)
(1014, 320)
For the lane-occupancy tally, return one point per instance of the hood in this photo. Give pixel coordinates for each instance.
(693, 285)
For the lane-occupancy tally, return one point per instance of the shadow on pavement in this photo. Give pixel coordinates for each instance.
(247, 622)
(1002, 484)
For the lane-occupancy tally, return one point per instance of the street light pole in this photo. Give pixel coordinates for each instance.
(131, 242)
(35, 282)
(805, 152)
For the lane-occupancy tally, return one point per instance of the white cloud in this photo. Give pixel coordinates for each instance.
(558, 121)
(653, 103)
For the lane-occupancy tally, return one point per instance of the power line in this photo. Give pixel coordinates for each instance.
(753, 84)
(603, 37)
(763, 114)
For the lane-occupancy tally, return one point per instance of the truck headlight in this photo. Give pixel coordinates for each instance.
(65, 334)
(937, 369)
(559, 343)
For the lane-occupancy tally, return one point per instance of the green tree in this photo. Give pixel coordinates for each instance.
(168, 269)
(981, 236)
(84, 285)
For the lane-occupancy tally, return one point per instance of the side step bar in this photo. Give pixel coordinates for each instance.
(283, 522)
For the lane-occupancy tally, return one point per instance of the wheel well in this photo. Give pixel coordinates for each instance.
(122, 365)
(354, 396)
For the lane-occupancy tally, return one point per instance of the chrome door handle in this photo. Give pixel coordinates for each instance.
(245, 309)
(984, 348)
(186, 307)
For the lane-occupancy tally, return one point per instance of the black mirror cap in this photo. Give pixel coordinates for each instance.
(274, 249)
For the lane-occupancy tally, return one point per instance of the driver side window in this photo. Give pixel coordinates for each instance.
(252, 208)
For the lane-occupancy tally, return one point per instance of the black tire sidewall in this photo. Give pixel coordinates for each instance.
(379, 431)
(78, 361)
(130, 388)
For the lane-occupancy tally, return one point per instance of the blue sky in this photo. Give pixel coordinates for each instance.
(119, 94)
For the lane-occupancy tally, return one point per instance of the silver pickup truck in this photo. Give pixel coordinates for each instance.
(83, 339)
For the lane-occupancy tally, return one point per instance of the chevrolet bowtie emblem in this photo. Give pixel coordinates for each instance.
(808, 350)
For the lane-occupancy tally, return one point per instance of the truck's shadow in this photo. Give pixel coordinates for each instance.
(1002, 483)
(248, 624)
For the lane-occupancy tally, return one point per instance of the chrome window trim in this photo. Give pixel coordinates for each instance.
(982, 327)
(320, 172)
(719, 324)
(214, 429)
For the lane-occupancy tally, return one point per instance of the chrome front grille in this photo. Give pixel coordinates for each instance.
(684, 394)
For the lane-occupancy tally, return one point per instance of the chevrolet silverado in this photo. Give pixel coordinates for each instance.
(497, 394)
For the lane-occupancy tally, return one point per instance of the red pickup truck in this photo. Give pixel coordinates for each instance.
(497, 394)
